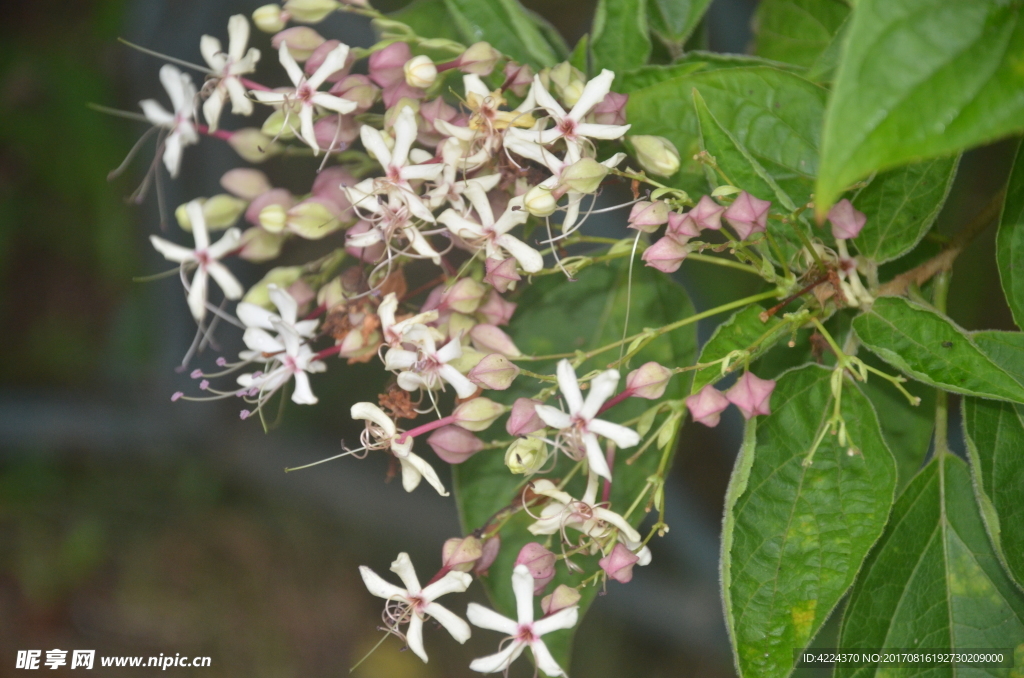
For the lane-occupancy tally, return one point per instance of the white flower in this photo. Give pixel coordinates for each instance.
(586, 516)
(493, 235)
(389, 220)
(524, 632)
(427, 367)
(180, 123)
(398, 171)
(206, 257)
(571, 126)
(305, 93)
(258, 319)
(227, 67)
(290, 356)
(394, 332)
(415, 604)
(579, 428)
(381, 433)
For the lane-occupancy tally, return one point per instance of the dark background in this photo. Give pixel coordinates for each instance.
(134, 526)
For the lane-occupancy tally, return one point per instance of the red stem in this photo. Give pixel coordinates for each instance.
(255, 85)
(219, 134)
(316, 312)
(426, 428)
(328, 352)
(615, 400)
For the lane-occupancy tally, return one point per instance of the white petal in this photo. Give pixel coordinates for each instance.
(421, 468)
(238, 36)
(373, 413)
(592, 131)
(426, 172)
(197, 295)
(595, 456)
(405, 135)
(285, 303)
(473, 84)
(464, 388)
(210, 48)
(306, 128)
(303, 394)
(212, 108)
(194, 209)
(460, 226)
(545, 100)
(530, 259)
(563, 619)
(545, 662)
(522, 586)
(333, 103)
(402, 566)
(174, 82)
(553, 417)
(172, 153)
(602, 387)
(452, 582)
(228, 282)
(499, 661)
(172, 252)
(449, 352)
(414, 637)
(269, 97)
(254, 315)
(288, 336)
(332, 63)
(629, 533)
(374, 143)
(399, 359)
(454, 624)
(378, 587)
(260, 340)
(240, 104)
(487, 618)
(619, 434)
(156, 113)
(569, 386)
(594, 92)
(420, 209)
(288, 61)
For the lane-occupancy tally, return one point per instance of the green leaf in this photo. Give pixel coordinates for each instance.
(774, 114)
(995, 440)
(507, 26)
(578, 58)
(1005, 349)
(555, 316)
(738, 333)
(428, 18)
(621, 40)
(901, 205)
(933, 580)
(674, 20)
(1010, 240)
(796, 31)
(929, 347)
(921, 79)
(795, 535)
(823, 69)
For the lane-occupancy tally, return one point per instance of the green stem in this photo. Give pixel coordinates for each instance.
(721, 261)
(939, 298)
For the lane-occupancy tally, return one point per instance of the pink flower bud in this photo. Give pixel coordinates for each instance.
(334, 133)
(430, 111)
(540, 562)
(611, 110)
(518, 78)
(386, 66)
(494, 372)
(707, 405)
(357, 88)
(327, 186)
(461, 553)
(619, 564)
(479, 59)
(747, 215)
(648, 381)
(707, 214)
(496, 310)
(463, 297)
(501, 273)
(524, 419)
(433, 300)
(302, 41)
(245, 183)
(316, 60)
(647, 216)
(394, 93)
(301, 292)
(276, 196)
(666, 255)
(752, 395)
(369, 254)
(847, 220)
(491, 339)
(559, 599)
(489, 553)
(477, 414)
(453, 444)
(681, 227)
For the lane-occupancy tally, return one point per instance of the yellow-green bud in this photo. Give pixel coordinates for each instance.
(257, 245)
(274, 126)
(420, 72)
(269, 18)
(657, 155)
(568, 81)
(479, 59)
(223, 210)
(273, 218)
(585, 175)
(282, 276)
(526, 455)
(477, 414)
(310, 11)
(310, 219)
(539, 202)
(253, 145)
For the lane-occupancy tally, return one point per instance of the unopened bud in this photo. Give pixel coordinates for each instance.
(275, 196)
(619, 564)
(539, 201)
(269, 18)
(540, 562)
(847, 221)
(477, 414)
(707, 405)
(246, 183)
(258, 245)
(707, 213)
(387, 65)
(319, 56)
(752, 395)
(461, 554)
(253, 146)
(526, 455)
(420, 72)
(562, 597)
(611, 110)
(464, 296)
(452, 444)
(569, 82)
(648, 381)
(223, 210)
(275, 127)
(312, 219)
(357, 88)
(656, 155)
(310, 11)
(394, 110)
(282, 276)
(666, 255)
(479, 59)
(501, 273)
(524, 419)
(491, 339)
(519, 77)
(494, 371)
(332, 294)
(584, 175)
(681, 227)
(646, 216)
(490, 551)
(496, 310)
(273, 218)
(301, 41)
(747, 215)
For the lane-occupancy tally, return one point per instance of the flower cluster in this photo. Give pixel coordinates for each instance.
(448, 177)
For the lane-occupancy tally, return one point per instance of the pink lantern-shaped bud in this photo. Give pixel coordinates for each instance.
(647, 216)
(747, 215)
(540, 562)
(524, 420)
(492, 339)
(681, 227)
(619, 564)
(752, 395)
(316, 59)
(648, 381)
(847, 220)
(518, 78)
(666, 255)
(501, 273)
(495, 372)
(707, 405)
(453, 444)
(461, 553)
(707, 213)
(387, 65)
(496, 310)
(611, 110)
(562, 597)
(489, 553)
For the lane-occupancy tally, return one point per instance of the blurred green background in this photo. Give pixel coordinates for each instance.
(133, 526)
